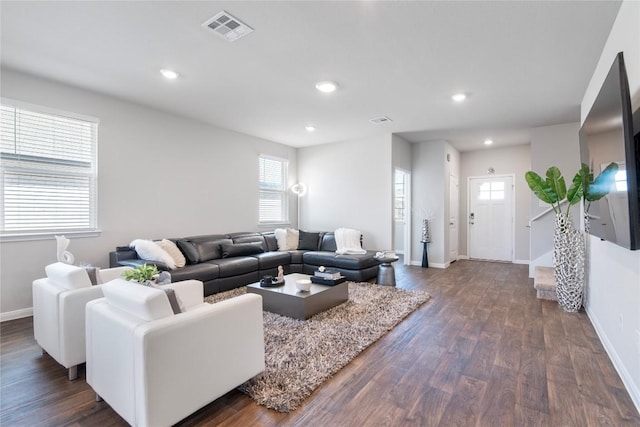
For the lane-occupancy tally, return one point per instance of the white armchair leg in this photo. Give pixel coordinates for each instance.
(73, 373)
(98, 398)
(43, 351)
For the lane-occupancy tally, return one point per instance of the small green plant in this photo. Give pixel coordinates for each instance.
(141, 274)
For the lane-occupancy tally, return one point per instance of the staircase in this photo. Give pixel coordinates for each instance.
(544, 283)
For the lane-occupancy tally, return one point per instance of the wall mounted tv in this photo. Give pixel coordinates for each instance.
(607, 135)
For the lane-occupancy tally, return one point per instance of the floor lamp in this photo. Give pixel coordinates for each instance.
(299, 190)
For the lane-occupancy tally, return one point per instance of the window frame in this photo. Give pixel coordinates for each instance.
(52, 170)
(282, 191)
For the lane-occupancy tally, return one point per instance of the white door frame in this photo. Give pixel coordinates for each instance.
(407, 215)
(457, 252)
(513, 209)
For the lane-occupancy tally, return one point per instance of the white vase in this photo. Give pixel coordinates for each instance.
(568, 260)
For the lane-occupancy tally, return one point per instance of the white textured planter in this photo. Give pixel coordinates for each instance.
(568, 260)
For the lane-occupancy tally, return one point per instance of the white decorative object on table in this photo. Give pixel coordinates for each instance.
(64, 255)
(303, 285)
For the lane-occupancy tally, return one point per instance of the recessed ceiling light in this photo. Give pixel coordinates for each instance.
(326, 86)
(310, 128)
(488, 142)
(459, 97)
(169, 74)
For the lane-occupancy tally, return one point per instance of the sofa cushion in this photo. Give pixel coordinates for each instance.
(67, 276)
(235, 266)
(328, 242)
(249, 238)
(203, 272)
(270, 240)
(201, 250)
(241, 249)
(349, 262)
(189, 250)
(269, 260)
(149, 250)
(296, 256)
(308, 241)
(144, 302)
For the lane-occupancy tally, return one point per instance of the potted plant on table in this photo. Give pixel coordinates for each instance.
(568, 241)
(141, 274)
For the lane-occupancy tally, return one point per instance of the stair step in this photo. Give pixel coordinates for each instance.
(544, 283)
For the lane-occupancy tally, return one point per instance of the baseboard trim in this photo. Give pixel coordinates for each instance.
(463, 257)
(626, 378)
(431, 264)
(521, 261)
(16, 314)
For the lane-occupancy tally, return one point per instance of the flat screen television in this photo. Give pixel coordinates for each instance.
(607, 135)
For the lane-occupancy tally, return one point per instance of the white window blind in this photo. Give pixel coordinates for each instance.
(273, 204)
(47, 172)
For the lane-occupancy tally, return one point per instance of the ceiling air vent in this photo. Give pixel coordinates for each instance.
(378, 120)
(227, 26)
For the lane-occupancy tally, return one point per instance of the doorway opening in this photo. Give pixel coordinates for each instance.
(402, 214)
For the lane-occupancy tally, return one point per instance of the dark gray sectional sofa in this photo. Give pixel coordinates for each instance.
(227, 261)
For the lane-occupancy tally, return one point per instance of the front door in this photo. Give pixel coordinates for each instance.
(490, 218)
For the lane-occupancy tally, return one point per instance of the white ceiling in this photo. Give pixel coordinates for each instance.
(523, 64)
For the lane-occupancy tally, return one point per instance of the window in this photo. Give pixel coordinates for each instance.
(493, 190)
(273, 190)
(399, 196)
(47, 171)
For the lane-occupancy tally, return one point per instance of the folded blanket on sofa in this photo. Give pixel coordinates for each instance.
(348, 242)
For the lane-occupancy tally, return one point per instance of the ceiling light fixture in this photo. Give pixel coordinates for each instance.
(169, 74)
(459, 97)
(488, 142)
(310, 128)
(326, 86)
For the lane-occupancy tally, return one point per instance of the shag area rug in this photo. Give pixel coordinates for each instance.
(300, 355)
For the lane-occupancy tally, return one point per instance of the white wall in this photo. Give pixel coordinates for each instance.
(551, 146)
(508, 160)
(430, 195)
(159, 175)
(349, 184)
(451, 168)
(613, 286)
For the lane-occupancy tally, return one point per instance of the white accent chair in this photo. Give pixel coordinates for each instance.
(154, 367)
(59, 308)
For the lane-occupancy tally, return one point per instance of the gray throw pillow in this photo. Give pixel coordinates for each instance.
(308, 241)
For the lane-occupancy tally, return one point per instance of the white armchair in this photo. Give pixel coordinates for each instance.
(154, 367)
(59, 308)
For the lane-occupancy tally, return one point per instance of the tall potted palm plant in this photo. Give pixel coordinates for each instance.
(568, 240)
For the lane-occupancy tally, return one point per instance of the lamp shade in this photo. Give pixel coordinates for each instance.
(299, 189)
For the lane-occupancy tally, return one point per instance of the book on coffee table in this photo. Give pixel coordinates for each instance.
(327, 282)
(327, 274)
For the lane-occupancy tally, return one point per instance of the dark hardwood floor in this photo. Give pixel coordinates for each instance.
(483, 351)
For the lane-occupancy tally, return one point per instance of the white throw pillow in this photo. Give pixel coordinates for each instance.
(292, 238)
(150, 251)
(287, 239)
(281, 238)
(175, 253)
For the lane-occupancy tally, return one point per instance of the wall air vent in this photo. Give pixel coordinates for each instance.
(227, 26)
(378, 120)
